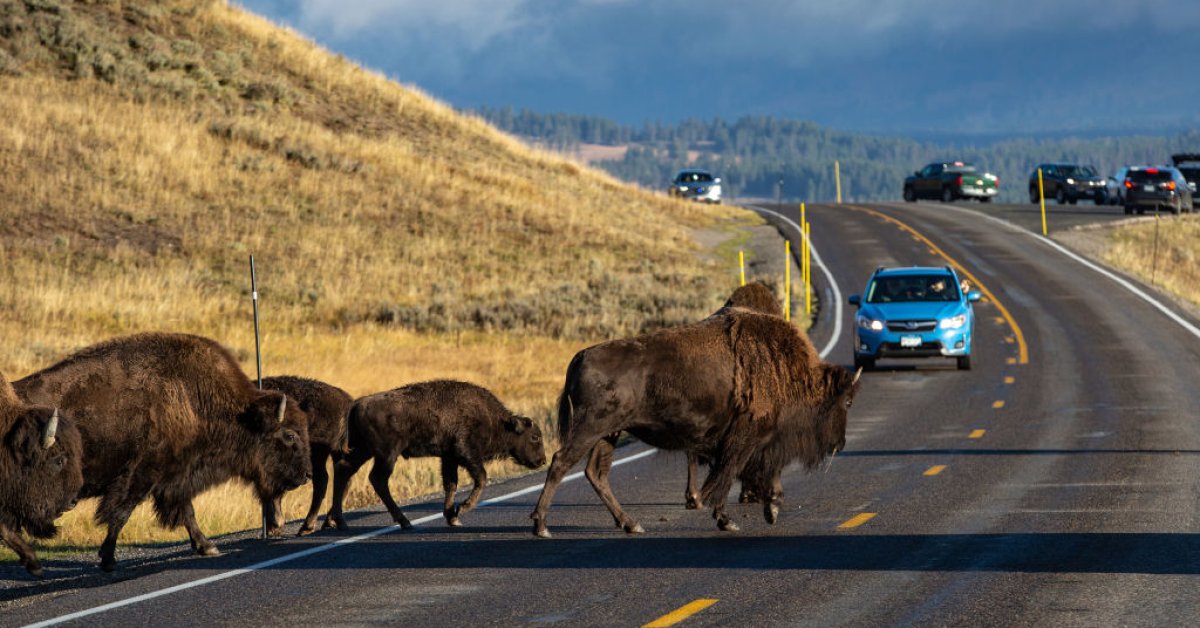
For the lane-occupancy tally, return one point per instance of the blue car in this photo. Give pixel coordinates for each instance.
(914, 312)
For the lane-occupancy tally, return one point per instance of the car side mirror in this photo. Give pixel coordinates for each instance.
(855, 300)
(974, 296)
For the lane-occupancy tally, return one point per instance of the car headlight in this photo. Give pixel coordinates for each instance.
(1070, 181)
(870, 323)
(683, 188)
(954, 322)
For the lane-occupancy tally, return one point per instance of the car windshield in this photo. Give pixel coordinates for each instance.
(960, 168)
(694, 177)
(909, 288)
(1077, 171)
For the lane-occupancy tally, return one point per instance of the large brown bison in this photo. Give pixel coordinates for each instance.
(463, 424)
(729, 386)
(167, 416)
(326, 407)
(40, 472)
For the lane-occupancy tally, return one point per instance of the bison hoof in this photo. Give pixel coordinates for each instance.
(541, 533)
(274, 532)
(726, 525)
(635, 528)
(693, 503)
(306, 529)
(107, 566)
(36, 572)
(209, 551)
(771, 513)
(454, 522)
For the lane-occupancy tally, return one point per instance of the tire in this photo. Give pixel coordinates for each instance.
(1034, 197)
(909, 194)
(947, 195)
(1073, 201)
(1128, 210)
(964, 363)
(1100, 199)
(1060, 196)
(985, 199)
(866, 364)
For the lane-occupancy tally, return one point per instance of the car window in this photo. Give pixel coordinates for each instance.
(912, 288)
(967, 168)
(1150, 175)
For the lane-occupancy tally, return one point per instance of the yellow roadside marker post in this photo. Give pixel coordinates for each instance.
(837, 175)
(1042, 196)
(787, 280)
(742, 266)
(807, 271)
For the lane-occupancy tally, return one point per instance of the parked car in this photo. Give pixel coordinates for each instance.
(1115, 186)
(1189, 165)
(699, 185)
(1157, 187)
(1068, 183)
(950, 181)
(914, 312)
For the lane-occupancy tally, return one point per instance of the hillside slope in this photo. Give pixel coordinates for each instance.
(148, 148)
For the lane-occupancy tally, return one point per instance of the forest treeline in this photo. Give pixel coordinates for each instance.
(754, 153)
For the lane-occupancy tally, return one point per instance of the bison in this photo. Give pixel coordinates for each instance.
(326, 407)
(40, 472)
(167, 416)
(733, 385)
(461, 423)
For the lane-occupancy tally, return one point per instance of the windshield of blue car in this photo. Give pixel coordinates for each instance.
(1077, 171)
(912, 288)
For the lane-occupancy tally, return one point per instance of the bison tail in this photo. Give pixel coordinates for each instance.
(341, 442)
(566, 406)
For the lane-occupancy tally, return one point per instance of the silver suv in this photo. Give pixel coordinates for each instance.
(697, 185)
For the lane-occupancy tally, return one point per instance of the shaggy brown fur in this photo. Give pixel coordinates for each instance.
(40, 472)
(326, 407)
(755, 296)
(461, 423)
(725, 387)
(168, 416)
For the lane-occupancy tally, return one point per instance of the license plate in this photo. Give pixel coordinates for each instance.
(910, 341)
(1148, 188)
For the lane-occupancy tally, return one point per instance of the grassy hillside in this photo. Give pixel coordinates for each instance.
(148, 148)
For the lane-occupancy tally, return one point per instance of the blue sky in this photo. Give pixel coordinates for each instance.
(903, 66)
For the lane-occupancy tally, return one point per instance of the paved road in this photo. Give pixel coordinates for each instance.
(1065, 490)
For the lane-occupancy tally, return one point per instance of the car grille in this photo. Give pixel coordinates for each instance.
(914, 326)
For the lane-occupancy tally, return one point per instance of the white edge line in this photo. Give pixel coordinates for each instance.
(303, 553)
(837, 293)
(1121, 281)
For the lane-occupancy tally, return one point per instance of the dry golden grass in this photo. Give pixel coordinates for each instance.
(148, 148)
(1132, 249)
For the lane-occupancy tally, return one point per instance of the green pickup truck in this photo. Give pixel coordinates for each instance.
(950, 181)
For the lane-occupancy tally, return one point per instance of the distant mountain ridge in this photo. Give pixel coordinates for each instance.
(752, 153)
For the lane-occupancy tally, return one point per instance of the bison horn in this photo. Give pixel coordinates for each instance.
(282, 409)
(857, 374)
(50, 430)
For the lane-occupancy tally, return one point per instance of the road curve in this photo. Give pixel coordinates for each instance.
(1059, 491)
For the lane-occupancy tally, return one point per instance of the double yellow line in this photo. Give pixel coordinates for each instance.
(1022, 347)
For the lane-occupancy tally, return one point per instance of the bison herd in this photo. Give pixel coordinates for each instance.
(166, 416)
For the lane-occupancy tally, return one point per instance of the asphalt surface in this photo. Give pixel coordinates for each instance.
(1065, 490)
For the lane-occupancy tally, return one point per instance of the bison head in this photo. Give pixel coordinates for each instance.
(280, 432)
(840, 387)
(47, 472)
(525, 441)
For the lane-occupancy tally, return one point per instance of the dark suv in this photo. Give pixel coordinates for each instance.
(1161, 187)
(1189, 165)
(1068, 183)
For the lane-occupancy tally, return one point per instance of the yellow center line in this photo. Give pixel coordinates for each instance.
(998, 404)
(935, 469)
(681, 613)
(1022, 348)
(977, 433)
(1011, 361)
(857, 520)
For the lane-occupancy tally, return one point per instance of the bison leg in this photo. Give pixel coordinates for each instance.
(479, 480)
(598, 466)
(175, 510)
(773, 503)
(343, 471)
(449, 487)
(574, 449)
(115, 508)
(200, 543)
(720, 479)
(320, 482)
(381, 472)
(272, 512)
(691, 496)
(24, 551)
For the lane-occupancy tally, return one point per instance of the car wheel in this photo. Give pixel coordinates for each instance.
(1060, 196)
(964, 362)
(1128, 210)
(1073, 201)
(1100, 200)
(947, 195)
(1034, 197)
(909, 194)
(866, 364)
(985, 199)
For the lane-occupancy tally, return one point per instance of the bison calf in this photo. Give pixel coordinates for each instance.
(40, 472)
(461, 423)
(326, 407)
